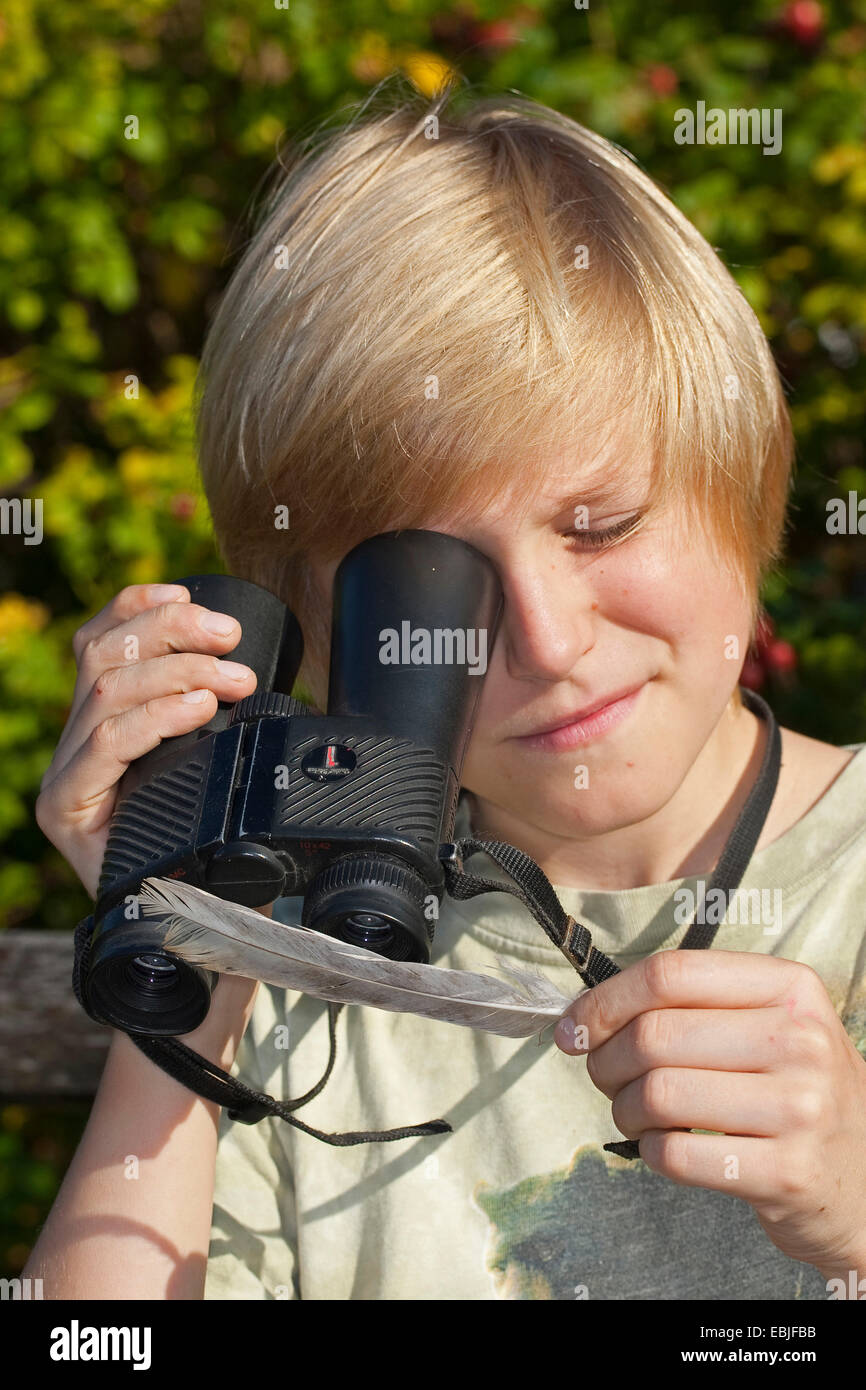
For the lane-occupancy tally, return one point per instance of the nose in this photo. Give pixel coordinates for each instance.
(548, 621)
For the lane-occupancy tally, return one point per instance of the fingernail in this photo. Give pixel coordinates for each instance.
(563, 1034)
(164, 593)
(220, 624)
(234, 670)
(195, 697)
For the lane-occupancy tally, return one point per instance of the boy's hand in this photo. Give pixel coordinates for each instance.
(136, 660)
(749, 1046)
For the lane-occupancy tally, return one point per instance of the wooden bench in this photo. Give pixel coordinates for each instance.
(49, 1048)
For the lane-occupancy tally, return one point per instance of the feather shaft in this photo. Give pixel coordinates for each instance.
(231, 939)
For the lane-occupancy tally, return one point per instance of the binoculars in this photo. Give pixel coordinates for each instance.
(353, 809)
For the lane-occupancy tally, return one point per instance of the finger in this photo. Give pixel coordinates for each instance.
(754, 1169)
(730, 1102)
(744, 1040)
(123, 608)
(126, 604)
(156, 631)
(82, 797)
(121, 688)
(691, 979)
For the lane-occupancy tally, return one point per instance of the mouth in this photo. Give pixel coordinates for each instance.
(586, 726)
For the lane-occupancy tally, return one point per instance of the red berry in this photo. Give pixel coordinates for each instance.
(803, 20)
(496, 34)
(182, 505)
(781, 656)
(662, 79)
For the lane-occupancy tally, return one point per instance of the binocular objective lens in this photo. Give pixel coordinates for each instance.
(367, 929)
(154, 962)
(154, 972)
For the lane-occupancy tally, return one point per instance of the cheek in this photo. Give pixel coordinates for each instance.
(645, 593)
(685, 599)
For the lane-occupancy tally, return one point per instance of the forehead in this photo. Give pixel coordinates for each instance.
(599, 467)
(610, 475)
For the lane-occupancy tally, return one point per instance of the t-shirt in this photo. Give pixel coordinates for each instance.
(521, 1201)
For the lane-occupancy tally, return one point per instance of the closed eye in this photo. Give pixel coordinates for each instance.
(593, 540)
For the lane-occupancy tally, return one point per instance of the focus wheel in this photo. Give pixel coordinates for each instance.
(334, 892)
(266, 702)
(372, 870)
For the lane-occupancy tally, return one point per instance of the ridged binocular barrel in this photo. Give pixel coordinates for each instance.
(347, 810)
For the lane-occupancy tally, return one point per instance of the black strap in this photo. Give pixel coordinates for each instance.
(213, 1083)
(535, 890)
(734, 858)
(532, 886)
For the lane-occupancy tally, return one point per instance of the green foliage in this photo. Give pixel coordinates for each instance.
(36, 1147)
(134, 138)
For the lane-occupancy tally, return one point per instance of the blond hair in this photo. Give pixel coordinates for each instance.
(413, 327)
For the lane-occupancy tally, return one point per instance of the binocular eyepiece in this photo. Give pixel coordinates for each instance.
(352, 810)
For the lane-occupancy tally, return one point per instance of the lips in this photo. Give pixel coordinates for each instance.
(565, 720)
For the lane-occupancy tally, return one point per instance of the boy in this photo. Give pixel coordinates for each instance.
(495, 325)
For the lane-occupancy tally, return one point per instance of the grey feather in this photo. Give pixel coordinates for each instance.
(228, 938)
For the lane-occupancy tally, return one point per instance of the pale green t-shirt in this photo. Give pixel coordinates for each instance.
(520, 1201)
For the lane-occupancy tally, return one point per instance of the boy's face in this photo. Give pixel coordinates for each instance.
(655, 614)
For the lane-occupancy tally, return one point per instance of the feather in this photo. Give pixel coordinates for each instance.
(228, 938)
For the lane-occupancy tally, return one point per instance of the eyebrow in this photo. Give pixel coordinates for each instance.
(598, 493)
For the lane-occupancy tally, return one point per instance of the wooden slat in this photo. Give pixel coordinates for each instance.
(48, 1046)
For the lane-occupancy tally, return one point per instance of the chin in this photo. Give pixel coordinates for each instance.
(612, 797)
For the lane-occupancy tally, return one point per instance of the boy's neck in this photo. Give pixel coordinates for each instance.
(664, 846)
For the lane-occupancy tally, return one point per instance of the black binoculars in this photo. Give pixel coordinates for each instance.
(353, 809)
